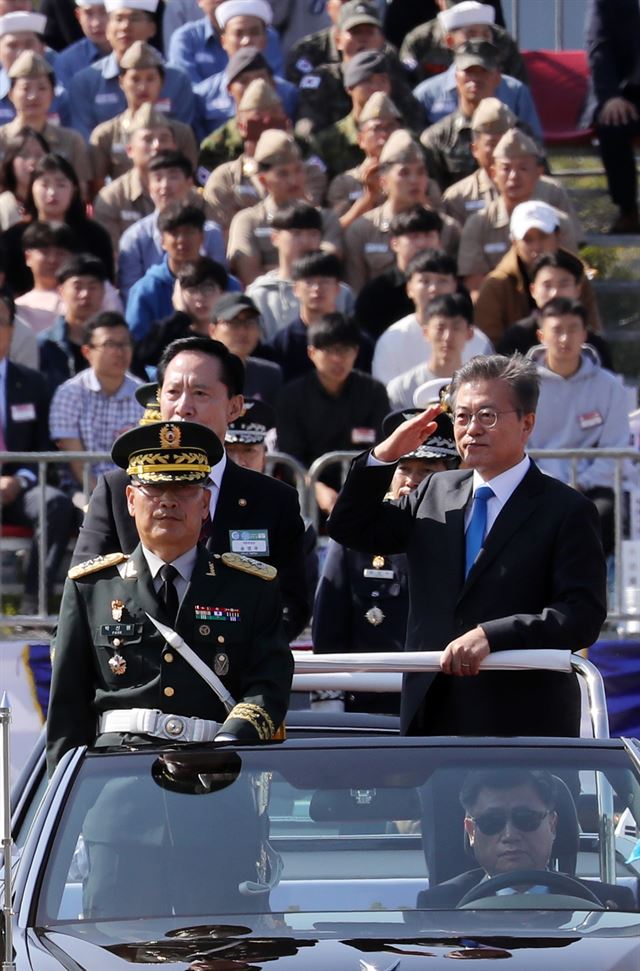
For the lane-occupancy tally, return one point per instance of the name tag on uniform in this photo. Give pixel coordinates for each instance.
(495, 247)
(203, 57)
(247, 190)
(252, 541)
(163, 105)
(54, 118)
(378, 574)
(363, 436)
(118, 630)
(471, 205)
(590, 419)
(129, 214)
(106, 99)
(117, 148)
(376, 248)
(262, 231)
(311, 81)
(26, 412)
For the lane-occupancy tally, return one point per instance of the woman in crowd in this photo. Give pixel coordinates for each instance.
(15, 175)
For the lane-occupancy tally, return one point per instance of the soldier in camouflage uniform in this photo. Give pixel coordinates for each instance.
(427, 49)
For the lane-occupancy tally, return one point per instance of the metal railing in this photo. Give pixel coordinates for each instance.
(305, 484)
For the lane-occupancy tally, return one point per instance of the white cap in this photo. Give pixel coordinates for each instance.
(12, 23)
(150, 6)
(533, 215)
(243, 8)
(428, 394)
(89, 3)
(466, 14)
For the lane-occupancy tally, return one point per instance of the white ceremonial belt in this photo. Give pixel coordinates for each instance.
(151, 721)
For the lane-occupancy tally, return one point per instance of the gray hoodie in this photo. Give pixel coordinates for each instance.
(273, 296)
(587, 410)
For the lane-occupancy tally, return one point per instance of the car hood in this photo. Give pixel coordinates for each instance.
(580, 940)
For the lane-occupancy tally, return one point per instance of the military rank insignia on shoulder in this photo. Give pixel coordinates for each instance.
(255, 567)
(96, 563)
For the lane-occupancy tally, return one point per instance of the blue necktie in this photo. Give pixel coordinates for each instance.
(477, 526)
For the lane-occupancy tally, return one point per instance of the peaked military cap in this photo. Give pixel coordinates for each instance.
(276, 147)
(440, 445)
(140, 55)
(356, 12)
(515, 144)
(400, 147)
(148, 395)
(476, 53)
(30, 65)
(252, 425)
(379, 107)
(492, 117)
(146, 117)
(259, 95)
(168, 451)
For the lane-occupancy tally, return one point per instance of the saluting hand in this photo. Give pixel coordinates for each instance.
(408, 436)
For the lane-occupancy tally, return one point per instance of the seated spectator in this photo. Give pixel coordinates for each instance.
(384, 299)
(437, 95)
(46, 246)
(558, 274)
(95, 94)
(338, 145)
(15, 175)
(404, 181)
(181, 228)
(141, 79)
(81, 286)
(323, 95)
(515, 171)
(282, 174)
(504, 296)
(245, 438)
(492, 120)
(592, 403)
(54, 196)
(126, 199)
(218, 96)
(236, 324)
(333, 407)
(295, 232)
(92, 18)
(356, 191)
(428, 48)
(447, 329)
(316, 287)
(362, 602)
(430, 275)
(234, 185)
(170, 179)
(198, 287)
(24, 428)
(31, 93)
(91, 409)
(201, 48)
(22, 30)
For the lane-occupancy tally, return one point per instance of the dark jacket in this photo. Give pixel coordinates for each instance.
(26, 415)
(59, 358)
(613, 46)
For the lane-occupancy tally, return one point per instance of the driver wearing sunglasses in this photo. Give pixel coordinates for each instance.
(510, 824)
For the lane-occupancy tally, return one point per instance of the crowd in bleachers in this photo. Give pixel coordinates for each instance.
(353, 202)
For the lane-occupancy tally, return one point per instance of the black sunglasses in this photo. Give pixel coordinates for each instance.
(494, 820)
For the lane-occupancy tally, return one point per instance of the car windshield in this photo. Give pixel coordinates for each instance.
(361, 827)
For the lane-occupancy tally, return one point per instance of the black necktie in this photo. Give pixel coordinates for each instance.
(168, 592)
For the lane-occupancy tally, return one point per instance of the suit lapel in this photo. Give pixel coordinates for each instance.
(456, 505)
(233, 506)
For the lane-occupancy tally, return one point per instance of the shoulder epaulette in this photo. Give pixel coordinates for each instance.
(255, 567)
(96, 563)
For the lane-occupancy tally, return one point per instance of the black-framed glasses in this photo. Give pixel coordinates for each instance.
(495, 820)
(157, 491)
(487, 417)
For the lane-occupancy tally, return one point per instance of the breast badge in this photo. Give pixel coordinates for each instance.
(117, 664)
(375, 616)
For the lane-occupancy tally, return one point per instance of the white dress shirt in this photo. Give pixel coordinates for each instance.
(184, 564)
(215, 482)
(503, 486)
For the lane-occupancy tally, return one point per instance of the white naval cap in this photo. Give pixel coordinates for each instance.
(243, 8)
(89, 3)
(150, 6)
(21, 20)
(466, 14)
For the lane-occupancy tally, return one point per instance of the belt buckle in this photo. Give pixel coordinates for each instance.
(174, 727)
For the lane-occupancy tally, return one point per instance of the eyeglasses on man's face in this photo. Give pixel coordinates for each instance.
(487, 417)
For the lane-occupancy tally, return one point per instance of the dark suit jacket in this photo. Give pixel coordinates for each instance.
(538, 583)
(26, 415)
(247, 500)
(446, 895)
(257, 654)
(613, 46)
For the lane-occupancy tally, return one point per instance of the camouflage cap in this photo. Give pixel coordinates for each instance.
(379, 107)
(140, 55)
(515, 144)
(259, 95)
(276, 148)
(492, 117)
(30, 65)
(400, 147)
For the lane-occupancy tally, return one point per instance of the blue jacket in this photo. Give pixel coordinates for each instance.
(150, 299)
(195, 48)
(75, 58)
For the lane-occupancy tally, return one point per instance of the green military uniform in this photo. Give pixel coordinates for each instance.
(447, 146)
(316, 50)
(323, 99)
(425, 53)
(338, 146)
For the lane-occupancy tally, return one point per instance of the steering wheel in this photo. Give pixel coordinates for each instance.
(557, 882)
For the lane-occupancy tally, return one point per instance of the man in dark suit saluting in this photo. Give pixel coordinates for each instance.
(253, 514)
(500, 557)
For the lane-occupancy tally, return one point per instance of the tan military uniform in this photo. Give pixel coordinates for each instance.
(250, 234)
(122, 203)
(234, 186)
(485, 239)
(367, 249)
(108, 143)
(62, 141)
(475, 192)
